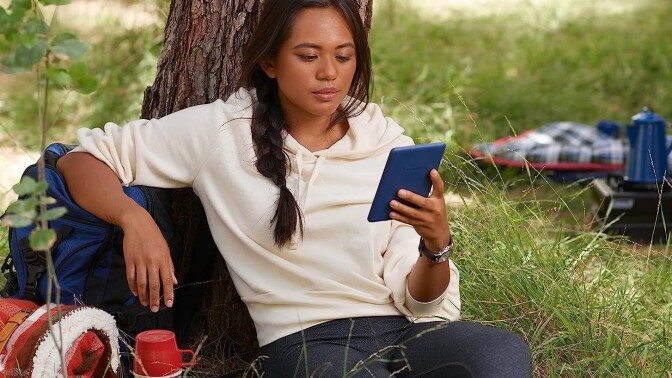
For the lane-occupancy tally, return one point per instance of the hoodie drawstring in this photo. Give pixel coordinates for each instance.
(302, 189)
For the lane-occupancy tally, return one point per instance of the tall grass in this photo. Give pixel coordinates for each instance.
(587, 305)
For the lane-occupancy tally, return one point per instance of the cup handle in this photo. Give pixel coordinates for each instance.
(193, 357)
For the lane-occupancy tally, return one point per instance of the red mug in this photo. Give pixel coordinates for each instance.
(157, 355)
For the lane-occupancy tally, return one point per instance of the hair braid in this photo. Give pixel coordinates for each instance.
(267, 126)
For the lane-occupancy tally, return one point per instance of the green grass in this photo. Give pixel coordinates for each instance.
(589, 305)
(524, 70)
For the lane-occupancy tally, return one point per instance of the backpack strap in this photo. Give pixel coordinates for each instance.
(36, 262)
(11, 325)
(11, 279)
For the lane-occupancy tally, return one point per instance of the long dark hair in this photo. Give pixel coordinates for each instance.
(268, 122)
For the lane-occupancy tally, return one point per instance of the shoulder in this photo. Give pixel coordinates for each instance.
(370, 123)
(237, 105)
(215, 116)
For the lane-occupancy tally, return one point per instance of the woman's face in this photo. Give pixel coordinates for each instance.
(314, 67)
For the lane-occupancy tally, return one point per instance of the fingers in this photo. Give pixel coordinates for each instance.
(130, 278)
(154, 285)
(420, 201)
(429, 209)
(429, 219)
(404, 213)
(141, 283)
(437, 184)
(168, 278)
(172, 273)
(148, 283)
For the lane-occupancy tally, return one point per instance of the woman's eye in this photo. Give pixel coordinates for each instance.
(343, 58)
(307, 58)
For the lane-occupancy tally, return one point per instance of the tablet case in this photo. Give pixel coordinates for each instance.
(407, 168)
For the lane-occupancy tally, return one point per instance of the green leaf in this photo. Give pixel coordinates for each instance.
(15, 220)
(9, 65)
(26, 186)
(52, 214)
(28, 205)
(86, 85)
(14, 207)
(20, 5)
(27, 39)
(35, 26)
(59, 76)
(24, 208)
(45, 200)
(5, 21)
(18, 9)
(78, 70)
(28, 56)
(70, 45)
(42, 240)
(40, 187)
(54, 2)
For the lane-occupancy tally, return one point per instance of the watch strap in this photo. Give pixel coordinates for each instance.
(441, 256)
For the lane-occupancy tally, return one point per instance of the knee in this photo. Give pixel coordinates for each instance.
(510, 354)
(515, 347)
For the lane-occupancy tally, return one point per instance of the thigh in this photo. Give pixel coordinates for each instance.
(339, 348)
(460, 349)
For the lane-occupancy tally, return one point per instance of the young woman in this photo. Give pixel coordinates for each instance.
(286, 169)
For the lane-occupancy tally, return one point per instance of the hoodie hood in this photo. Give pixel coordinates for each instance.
(370, 132)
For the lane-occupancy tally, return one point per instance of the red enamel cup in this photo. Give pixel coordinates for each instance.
(157, 355)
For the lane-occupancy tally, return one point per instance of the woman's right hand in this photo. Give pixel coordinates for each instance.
(96, 188)
(149, 267)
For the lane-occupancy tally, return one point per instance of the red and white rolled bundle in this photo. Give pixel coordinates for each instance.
(89, 337)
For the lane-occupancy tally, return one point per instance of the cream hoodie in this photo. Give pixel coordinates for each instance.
(343, 267)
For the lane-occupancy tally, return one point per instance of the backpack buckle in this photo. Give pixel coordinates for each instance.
(36, 258)
(36, 262)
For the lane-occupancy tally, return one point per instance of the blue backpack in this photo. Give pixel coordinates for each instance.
(88, 256)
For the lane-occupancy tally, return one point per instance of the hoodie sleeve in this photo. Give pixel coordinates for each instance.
(165, 152)
(400, 257)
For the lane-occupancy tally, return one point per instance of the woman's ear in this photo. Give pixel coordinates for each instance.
(268, 67)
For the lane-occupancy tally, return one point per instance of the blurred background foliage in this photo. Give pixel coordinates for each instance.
(126, 38)
(462, 76)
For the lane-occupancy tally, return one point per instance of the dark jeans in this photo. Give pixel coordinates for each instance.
(385, 346)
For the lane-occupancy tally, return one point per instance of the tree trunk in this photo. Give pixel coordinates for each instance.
(201, 62)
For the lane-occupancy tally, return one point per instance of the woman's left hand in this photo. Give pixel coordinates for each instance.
(429, 219)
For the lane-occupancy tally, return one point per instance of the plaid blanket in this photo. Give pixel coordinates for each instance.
(557, 146)
(89, 337)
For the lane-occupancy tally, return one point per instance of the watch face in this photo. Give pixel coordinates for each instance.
(439, 257)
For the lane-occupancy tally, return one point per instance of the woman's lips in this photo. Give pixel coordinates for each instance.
(326, 94)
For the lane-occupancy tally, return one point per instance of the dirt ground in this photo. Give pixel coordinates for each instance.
(13, 161)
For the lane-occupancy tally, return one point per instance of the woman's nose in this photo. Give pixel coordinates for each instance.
(327, 70)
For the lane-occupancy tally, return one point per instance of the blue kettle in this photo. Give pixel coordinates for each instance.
(647, 161)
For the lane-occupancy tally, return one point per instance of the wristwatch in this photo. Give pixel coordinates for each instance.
(439, 257)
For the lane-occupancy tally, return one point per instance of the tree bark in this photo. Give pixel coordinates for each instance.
(201, 62)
